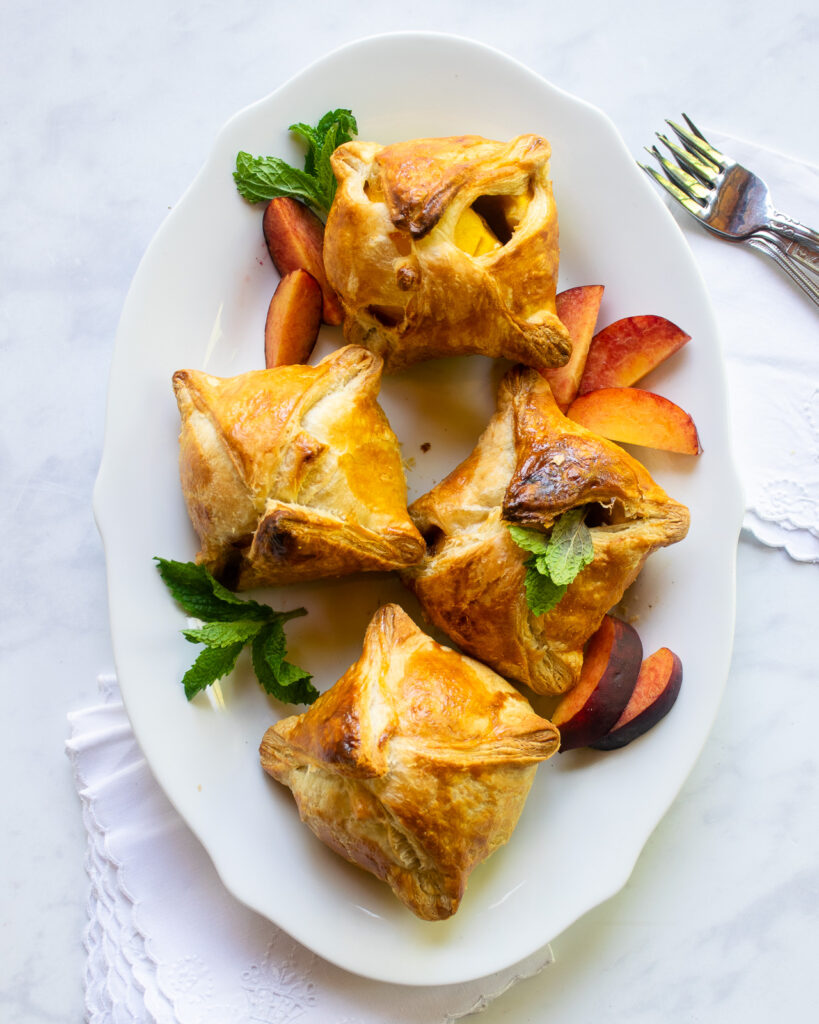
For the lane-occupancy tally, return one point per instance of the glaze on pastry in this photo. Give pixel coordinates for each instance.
(415, 765)
(530, 465)
(293, 473)
(438, 247)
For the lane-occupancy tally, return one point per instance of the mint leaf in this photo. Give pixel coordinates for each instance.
(292, 676)
(570, 547)
(260, 178)
(203, 597)
(333, 130)
(223, 634)
(279, 678)
(347, 126)
(529, 540)
(324, 169)
(212, 664)
(310, 136)
(230, 623)
(269, 649)
(542, 593)
(556, 559)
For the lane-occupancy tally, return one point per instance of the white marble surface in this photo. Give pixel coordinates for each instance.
(107, 112)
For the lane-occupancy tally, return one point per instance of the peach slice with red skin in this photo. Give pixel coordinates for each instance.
(611, 665)
(295, 241)
(634, 416)
(657, 688)
(578, 309)
(293, 320)
(625, 351)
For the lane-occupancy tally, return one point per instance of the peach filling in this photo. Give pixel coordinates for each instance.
(490, 222)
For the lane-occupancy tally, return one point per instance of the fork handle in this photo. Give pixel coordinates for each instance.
(773, 249)
(791, 229)
(807, 258)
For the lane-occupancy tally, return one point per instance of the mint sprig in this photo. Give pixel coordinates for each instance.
(555, 560)
(260, 178)
(230, 623)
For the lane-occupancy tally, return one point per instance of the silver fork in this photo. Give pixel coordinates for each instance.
(735, 204)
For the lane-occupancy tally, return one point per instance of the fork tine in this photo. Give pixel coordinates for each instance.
(713, 153)
(693, 127)
(682, 198)
(698, 145)
(707, 172)
(685, 181)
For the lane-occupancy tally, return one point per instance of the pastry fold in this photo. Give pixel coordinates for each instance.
(415, 765)
(293, 473)
(438, 247)
(530, 465)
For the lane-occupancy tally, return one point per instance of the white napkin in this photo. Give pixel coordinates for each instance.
(770, 331)
(167, 943)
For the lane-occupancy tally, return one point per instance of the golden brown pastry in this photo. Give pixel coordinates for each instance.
(530, 465)
(439, 247)
(293, 473)
(415, 765)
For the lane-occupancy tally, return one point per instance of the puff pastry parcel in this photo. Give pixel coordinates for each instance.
(438, 247)
(530, 465)
(415, 765)
(293, 473)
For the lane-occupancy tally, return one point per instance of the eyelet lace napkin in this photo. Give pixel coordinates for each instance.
(167, 943)
(770, 332)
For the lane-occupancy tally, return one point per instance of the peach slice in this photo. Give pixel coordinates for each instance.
(293, 320)
(295, 241)
(610, 668)
(472, 234)
(625, 351)
(633, 416)
(657, 688)
(578, 309)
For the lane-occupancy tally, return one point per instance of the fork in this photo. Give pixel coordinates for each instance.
(735, 204)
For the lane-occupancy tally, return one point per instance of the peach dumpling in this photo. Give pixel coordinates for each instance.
(440, 247)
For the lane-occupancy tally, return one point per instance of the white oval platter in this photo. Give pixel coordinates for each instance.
(199, 300)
